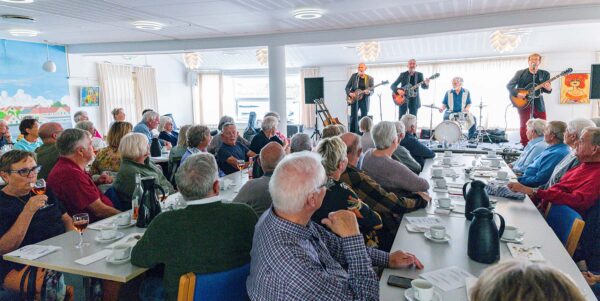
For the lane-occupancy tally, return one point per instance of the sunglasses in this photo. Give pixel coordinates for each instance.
(25, 172)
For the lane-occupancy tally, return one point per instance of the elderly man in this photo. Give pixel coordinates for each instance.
(458, 100)
(417, 150)
(255, 192)
(4, 134)
(536, 145)
(539, 172)
(301, 142)
(71, 184)
(29, 128)
(232, 150)
(47, 154)
(86, 125)
(410, 77)
(401, 154)
(150, 121)
(294, 258)
(216, 142)
(197, 239)
(579, 188)
(198, 139)
(266, 135)
(83, 116)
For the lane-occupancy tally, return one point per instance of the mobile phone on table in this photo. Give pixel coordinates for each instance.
(398, 281)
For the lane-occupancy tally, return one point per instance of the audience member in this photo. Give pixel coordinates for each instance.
(83, 116)
(150, 121)
(71, 184)
(109, 158)
(366, 140)
(379, 165)
(182, 144)
(47, 153)
(173, 236)
(4, 134)
(294, 258)
(301, 142)
(255, 192)
(342, 128)
(594, 281)
(266, 135)
(216, 141)
(401, 154)
(331, 131)
(86, 125)
(417, 150)
(535, 146)
(199, 138)
(596, 120)
(118, 114)
(232, 150)
(279, 134)
(165, 129)
(524, 281)
(29, 128)
(539, 172)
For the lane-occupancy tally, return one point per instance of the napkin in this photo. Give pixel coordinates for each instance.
(129, 240)
(93, 258)
(32, 252)
(525, 252)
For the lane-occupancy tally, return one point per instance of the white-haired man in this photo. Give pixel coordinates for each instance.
(458, 100)
(231, 150)
(150, 121)
(417, 150)
(536, 145)
(4, 134)
(266, 135)
(294, 258)
(83, 116)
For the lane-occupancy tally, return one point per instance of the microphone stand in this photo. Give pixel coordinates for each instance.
(380, 112)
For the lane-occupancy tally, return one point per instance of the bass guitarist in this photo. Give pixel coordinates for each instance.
(524, 79)
(411, 77)
(359, 80)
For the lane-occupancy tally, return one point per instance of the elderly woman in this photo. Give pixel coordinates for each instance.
(86, 125)
(216, 142)
(182, 144)
(301, 142)
(401, 154)
(198, 137)
(379, 165)
(108, 158)
(266, 135)
(165, 127)
(29, 128)
(135, 153)
(366, 140)
(535, 146)
(340, 196)
(25, 218)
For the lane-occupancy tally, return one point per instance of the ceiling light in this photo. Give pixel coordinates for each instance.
(308, 13)
(148, 25)
(262, 56)
(18, 1)
(369, 51)
(192, 60)
(23, 32)
(17, 19)
(49, 65)
(507, 40)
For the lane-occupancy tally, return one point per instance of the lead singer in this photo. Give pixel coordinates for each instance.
(359, 80)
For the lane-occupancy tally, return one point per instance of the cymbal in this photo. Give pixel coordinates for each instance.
(432, 106)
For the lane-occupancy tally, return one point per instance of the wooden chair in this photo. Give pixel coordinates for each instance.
(228, 285)
(567, 224)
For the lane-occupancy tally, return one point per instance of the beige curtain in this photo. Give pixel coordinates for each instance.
(146, 96)
(209, 107)
(307, 112)
(116, 90)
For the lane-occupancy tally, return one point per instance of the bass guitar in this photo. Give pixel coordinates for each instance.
(324, 113)
(521, 99)
(358, 93)
(409, 90)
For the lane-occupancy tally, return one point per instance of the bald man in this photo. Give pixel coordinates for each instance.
(412, 77)
(359, 80)
(47, 154)
(255, 192)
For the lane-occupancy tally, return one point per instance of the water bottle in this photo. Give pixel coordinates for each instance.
(250, 167)
(136, 197)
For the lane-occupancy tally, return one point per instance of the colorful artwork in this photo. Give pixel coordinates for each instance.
(89, 97)
(574, 89)
(26, 90)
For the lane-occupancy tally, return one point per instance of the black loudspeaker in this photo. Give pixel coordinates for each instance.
(313, 89)
(595, 82)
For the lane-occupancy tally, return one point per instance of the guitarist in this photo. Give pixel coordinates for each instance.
(410, 77)
(359, 80)
(523, 78)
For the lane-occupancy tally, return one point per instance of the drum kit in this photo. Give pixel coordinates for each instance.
(451, 130)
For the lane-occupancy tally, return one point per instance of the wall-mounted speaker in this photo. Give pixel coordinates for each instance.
(313, 89)
(595, 82)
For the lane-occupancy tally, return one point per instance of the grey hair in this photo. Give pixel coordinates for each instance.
(149, 116)
(300, 142)
(116, 111)
(596, 120)
(197, 134)
(537, 125)
(294, 179)
(163, 121)
(409, 121)
(384, 134)
(366, 124)
(333, 151)
(71, 139)
(196, 176)
(274, 114)
(576, 126)
(85, 125)
(77, 116)
(331, 131)
(558, 128)
(595, 132)
(133, 145)
(459, 79)
(268, 123)
(225, 119)
(400, 128)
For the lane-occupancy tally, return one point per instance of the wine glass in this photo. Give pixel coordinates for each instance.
(81, 221)
(240, 164)
(39, 188)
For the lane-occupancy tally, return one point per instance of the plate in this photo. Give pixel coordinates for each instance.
(410, 295)
(126, 226)
(516, 240)
(112, 260)
(101, 240)
(446, 238)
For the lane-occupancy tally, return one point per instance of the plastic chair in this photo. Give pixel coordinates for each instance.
(228, 285)
(567, 224)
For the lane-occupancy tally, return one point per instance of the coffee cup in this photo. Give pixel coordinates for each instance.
(108, 231)
(495, 163)
(120, 252)
(444, 202)
(502, 175)
(437, 232)
(123, 219)
(440, 183)
(422, 289)
(448, 154)
(491, 154)
(437, 172)
(510, 233)
(447, 160)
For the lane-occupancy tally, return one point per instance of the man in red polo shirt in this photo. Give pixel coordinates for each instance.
(72, 184)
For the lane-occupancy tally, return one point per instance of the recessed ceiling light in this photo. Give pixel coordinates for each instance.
(148, 25)
(23, 32)
(308, 13)
(17, 19)
(17, 1)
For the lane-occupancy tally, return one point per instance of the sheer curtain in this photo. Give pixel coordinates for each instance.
(307, 112)
(116, 88)
(209, 109)
(146, 96)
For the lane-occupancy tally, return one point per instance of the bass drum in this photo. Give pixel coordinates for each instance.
(448, 131)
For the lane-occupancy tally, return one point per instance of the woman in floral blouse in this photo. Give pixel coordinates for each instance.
(108, 158)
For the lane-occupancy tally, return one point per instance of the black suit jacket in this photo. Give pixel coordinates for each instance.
(523, 78)
(402, 80)
(352, 84)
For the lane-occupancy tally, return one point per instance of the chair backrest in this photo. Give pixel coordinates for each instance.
(113, 195)
(174, 164)
(228, 285)
(567, 224)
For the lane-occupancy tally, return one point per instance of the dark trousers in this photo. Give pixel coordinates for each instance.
(524, 115)
(363, 106)
(472, 129)
(411, 106)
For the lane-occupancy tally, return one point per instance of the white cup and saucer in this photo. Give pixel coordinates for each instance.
(120, 254)
(123, 220)
(421, 290)
(448, 154)
(108, 233)
(437, 233)
(437, 173)
(491, 154)
(512, 234)
(441, 183)
(502, 176)
(445, 203)
(447, 161)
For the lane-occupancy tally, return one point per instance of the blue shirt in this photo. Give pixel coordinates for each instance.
(297, 262)
(25, 145)
(239, 151)
(142, 128)
(534, 147)
(457, 100)
(539, 172)
(416, 149)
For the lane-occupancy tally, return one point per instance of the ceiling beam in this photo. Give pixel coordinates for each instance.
(534, 17)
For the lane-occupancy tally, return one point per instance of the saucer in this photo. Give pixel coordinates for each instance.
(445, 239)
(518, 239)
(102, 240)
(410, 296)
(451, 207)
(126, 226)
(112, 260)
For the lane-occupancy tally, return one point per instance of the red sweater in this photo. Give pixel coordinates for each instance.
(579, 188)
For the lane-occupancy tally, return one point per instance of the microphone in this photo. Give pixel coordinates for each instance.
(533, 65)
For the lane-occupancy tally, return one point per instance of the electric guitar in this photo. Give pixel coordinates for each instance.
(409, 90)
(521, 99)
(326, 116)
(358, 93)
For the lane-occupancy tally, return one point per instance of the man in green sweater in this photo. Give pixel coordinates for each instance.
(199, 238)
(47, 153)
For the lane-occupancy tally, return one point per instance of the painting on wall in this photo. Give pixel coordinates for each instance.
(574, 89)
(89, 97)
(26, 90)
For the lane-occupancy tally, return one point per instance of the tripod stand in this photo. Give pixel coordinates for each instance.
(481, 131)
(316, 134)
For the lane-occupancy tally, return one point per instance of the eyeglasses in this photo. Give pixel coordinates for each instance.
(25, 172)
(328, 184)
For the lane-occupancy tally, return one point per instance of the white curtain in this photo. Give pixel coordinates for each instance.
(307, 112)
(146, 96)
(209, 108)
(116, 89)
